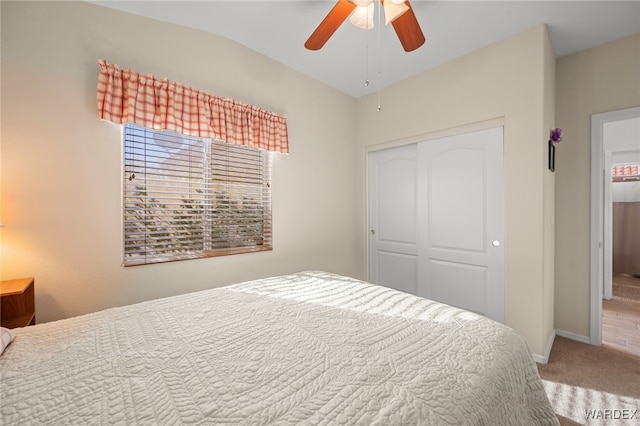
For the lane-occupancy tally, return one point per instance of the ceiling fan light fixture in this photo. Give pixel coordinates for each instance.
(393, 11)
(406, 26)
(362, 3)
(363, 17)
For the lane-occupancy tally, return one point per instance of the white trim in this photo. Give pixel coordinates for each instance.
(607, 228)
(595, 244)
(597, 219)
(573, 336)
(442, 133)
(545, 359)
(540, 359)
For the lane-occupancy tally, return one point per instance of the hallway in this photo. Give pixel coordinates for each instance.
(621, 315)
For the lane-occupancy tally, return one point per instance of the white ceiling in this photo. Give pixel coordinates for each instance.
(278, 29)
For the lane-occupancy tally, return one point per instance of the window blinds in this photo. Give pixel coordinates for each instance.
(187, 197)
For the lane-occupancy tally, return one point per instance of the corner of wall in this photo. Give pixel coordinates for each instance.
(549, 119)
(543, 359)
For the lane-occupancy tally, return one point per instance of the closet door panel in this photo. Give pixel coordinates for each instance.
(461, 211)
(457, 194)
(393, 217)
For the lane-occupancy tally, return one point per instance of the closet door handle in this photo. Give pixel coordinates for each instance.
(495, 243)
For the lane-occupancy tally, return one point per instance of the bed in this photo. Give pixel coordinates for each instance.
(309, 348)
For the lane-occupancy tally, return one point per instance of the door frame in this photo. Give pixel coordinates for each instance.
(598, 262)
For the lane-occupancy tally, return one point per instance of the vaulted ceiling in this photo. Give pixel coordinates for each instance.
(278, 29)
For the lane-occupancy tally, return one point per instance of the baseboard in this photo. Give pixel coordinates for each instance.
(540, 359)
(574, 336)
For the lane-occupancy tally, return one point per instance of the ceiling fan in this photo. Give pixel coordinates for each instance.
(397, 12)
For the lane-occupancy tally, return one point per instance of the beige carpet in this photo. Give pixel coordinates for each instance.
(591, 385)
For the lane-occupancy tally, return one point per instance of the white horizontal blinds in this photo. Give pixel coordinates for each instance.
(164, 196)
(187, 197)
(241, 197)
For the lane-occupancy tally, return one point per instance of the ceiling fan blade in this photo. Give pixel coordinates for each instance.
(329, 24)
(408, 30)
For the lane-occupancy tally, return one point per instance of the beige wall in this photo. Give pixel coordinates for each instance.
(61, 180)
(510, 82)
(601, 79)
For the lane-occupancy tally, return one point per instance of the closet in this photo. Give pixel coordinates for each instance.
(436, 220)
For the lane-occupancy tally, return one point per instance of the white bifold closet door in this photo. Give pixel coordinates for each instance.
(436, 217)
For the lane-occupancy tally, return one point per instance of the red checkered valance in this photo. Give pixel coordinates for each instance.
(124, 96)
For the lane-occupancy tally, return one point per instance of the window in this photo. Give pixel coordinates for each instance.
(187, 197)
(625, 173)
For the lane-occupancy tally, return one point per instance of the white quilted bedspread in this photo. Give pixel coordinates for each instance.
(310, 348)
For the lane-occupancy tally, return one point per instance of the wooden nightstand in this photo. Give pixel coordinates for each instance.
(17, 303)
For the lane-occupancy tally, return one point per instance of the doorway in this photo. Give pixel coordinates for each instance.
(615, 147)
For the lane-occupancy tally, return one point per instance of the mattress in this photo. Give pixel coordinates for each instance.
(310, 348)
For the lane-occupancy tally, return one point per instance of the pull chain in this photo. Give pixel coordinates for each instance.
(367, 82)
(366, 55)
